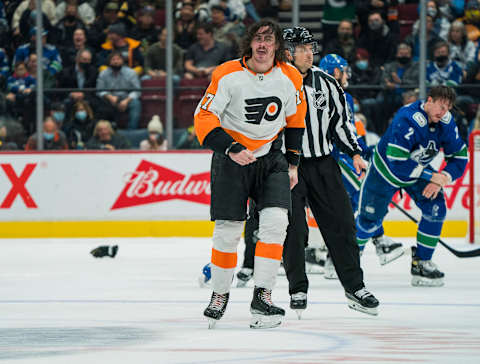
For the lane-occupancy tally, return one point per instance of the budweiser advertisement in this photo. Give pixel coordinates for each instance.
(133, 186)
(105, 186)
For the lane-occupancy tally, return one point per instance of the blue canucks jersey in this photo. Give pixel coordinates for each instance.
(409, 145)
(52, 61)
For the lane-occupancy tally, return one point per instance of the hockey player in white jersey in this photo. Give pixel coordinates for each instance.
(248, 105)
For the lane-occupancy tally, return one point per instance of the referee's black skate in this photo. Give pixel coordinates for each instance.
(216, 308)
(424, 272)
(363, 301)
(264, 313)
(298, 303)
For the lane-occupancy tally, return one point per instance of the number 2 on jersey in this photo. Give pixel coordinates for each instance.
(207, 100)
(409, 134)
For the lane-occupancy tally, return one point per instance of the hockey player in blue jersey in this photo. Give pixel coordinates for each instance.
(402, 161)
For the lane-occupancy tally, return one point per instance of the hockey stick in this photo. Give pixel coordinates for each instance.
(458, 253)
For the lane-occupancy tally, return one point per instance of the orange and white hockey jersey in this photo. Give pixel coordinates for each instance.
(252, 108)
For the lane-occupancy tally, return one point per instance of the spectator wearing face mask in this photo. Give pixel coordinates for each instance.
(83, 74)
(128, 48)
(57, 112)
(79, 127)
(365, 73)
(53, 139)
(78, 43)
(343, 43)
(442, 70)
(67, 25)
(432, 38)
(85, 11)
(441, 24)
(156, 139)
(378, 40)
(396, 74)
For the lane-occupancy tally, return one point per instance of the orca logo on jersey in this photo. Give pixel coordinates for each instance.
(260, 108)
(424, 155)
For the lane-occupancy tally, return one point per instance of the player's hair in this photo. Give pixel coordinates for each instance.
(246, 49)
(443, 93)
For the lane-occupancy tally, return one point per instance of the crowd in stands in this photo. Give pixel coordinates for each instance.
(102, 52)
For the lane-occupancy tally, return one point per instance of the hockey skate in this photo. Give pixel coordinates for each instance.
(298, 303)
(387, 249)
(425, 273)
(265, 314)
(314, 260)
(206, 278)
(243, 276)
(216, 308)
(363, 301)
(329, 269)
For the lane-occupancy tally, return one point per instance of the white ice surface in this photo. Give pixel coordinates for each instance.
(60, 305)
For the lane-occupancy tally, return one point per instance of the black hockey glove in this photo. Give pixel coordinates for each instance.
(105, 250)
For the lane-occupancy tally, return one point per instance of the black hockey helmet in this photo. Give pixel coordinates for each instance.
(299, 35)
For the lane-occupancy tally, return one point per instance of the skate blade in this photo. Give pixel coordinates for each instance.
(330, 276)
(299, 313)
(265, 322)
(313, 268)
(211, 323)
(427, 282)
(388, 258)
(358, 307)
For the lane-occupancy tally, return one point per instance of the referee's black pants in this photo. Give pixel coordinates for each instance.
(320, 183)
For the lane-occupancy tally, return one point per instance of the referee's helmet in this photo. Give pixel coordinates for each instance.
(332, 61)
(299, 35)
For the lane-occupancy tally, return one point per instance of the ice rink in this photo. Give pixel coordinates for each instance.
(58, 304)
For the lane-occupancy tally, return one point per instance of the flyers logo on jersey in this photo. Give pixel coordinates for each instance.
(260, 108)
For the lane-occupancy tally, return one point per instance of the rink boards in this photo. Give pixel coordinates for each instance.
(139, 194)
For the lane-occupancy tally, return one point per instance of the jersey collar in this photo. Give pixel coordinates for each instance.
(243, 62)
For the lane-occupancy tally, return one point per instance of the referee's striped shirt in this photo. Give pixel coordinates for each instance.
(327, 120)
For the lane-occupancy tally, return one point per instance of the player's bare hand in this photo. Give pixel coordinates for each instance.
(293, 175)
(359, 164)
(431, 190)
(243, 158)
(440, 179)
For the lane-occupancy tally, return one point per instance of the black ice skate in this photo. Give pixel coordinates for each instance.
(425, 273)
(363, 301)
(387, 249)
(243, 276)
(216, 308)
(264, 313)
(315, 260)
(298, 303)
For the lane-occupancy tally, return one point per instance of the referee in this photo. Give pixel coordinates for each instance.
(320, 182)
